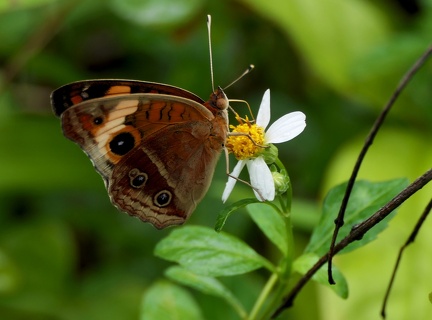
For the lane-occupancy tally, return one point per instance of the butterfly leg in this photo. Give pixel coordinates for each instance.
(242, 134)
(237, 116)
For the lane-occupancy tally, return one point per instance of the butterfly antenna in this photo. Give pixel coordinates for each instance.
(248, 70)
(210, 49)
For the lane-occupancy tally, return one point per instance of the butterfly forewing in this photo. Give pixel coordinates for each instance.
(77, 92)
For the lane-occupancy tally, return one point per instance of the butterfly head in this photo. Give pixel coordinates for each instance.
(219, 100)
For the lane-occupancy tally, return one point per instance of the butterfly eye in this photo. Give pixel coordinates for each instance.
(122, 143)
(162, 198)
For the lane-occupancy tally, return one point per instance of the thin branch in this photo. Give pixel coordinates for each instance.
(357, 233)
(40, 37)
(339, 221)
(410, 240)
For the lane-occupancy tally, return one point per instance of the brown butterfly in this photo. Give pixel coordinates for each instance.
(155, 145)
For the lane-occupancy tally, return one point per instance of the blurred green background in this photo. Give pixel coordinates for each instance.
(66, 253)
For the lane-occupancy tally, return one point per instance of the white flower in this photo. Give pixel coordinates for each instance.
(284, 129)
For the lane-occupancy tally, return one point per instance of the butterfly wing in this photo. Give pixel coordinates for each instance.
(80, 91)
(155, 152)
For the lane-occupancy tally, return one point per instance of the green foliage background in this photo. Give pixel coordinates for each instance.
(65, 253)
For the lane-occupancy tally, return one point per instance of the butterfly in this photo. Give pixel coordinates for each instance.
(155, 145)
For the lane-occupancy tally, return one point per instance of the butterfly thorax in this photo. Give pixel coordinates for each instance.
(218, 105)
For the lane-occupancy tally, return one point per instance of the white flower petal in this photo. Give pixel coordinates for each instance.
(263, 117)
(231, 181)
(286, 128)
(261, 179)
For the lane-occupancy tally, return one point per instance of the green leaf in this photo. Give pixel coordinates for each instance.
(208, 253)
(207, 285)
(6, 6)
(302, 265)
(227, 211)
(43, 174)
(156, 12)
(9, 278)
(42, 254)
(366, 198)
(167, 301)
(269, 220)
(312, 24)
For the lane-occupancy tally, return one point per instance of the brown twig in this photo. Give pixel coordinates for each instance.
(40, 37)
(357, 233)
(410, 240)
(339, 221)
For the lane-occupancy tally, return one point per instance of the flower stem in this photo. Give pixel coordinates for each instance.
(277, 284)
(285, 265)
(286, 261)
(263, 296)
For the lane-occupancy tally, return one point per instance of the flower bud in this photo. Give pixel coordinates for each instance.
(281, 181)
(270, 154)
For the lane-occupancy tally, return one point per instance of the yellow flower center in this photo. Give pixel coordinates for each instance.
(246, 140)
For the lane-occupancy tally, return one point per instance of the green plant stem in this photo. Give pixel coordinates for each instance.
(236, 305)
(263, 296)
(285, 264)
